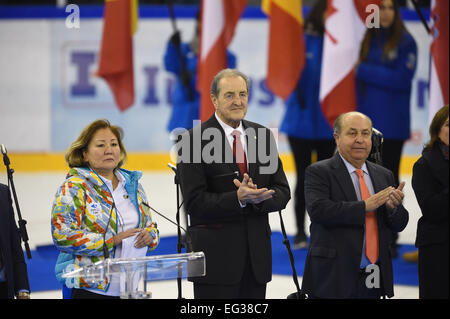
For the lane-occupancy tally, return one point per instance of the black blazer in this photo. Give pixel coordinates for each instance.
(337, 229)
(430, 184)
(11, 250)
(225, 232)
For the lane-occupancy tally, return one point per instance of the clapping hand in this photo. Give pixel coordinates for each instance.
(390, 196)
(248, 192)
(396, 197)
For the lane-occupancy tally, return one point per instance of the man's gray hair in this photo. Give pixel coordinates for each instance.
(227, 73)
(340, 118)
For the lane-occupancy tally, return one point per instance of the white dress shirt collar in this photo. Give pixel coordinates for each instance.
(229, 129)
(351, 168)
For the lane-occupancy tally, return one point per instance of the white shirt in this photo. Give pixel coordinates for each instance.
(229, 133)
(355, 179)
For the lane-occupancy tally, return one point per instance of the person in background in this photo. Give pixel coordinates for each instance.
(303, 123)
(97, 208)
(353, 205)
(384, 76)
(185, 98)
(13, 269)
(430, 183)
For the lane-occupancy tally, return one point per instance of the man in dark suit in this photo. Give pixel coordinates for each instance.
(13, 269)
(353, 206)
(231, 177)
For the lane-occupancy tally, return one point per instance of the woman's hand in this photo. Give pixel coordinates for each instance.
(143, 239)
(125, 234)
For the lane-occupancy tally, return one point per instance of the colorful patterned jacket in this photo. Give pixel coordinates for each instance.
(80, 212)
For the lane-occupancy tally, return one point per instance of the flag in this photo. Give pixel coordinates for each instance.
(116, 53)
(286, 57)
(218, 21)
(344, 31)
(439, 78)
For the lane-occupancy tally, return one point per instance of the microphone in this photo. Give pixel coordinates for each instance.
(5, 155)
(171, 166)
(378, 134)
(166, 218)
(377, 147)
(188, 239)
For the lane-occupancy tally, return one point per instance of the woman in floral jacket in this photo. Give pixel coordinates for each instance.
(99, 206)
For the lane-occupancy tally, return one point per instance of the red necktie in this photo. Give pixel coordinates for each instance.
(372, 243)
(239, 152)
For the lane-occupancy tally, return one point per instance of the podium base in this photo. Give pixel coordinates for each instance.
(136, 295)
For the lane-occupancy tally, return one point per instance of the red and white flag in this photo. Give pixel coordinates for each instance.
(344, 31)
(218, 21)
(439, 78)
(116, 53)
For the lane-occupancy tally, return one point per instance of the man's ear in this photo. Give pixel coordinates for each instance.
(214, 100)
(336, 138)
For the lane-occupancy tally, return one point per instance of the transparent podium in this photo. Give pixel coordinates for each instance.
(134, 273)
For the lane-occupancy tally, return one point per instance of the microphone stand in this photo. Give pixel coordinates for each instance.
(422, 18)
(298, 294)
(22, 228)
(179, 242)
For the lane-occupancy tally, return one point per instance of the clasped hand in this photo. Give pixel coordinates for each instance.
(248, 192)
(390, 196)
(142, 239)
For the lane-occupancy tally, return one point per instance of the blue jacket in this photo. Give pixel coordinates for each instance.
(307, 122)
(183, 110)
(384, 85)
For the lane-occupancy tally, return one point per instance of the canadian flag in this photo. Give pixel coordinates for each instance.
(218, 21)
(345, 27)
(439, 77)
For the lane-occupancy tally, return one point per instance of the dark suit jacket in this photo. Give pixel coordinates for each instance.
(10, 248)
(337, 229)
(225, 232)
(430, 184)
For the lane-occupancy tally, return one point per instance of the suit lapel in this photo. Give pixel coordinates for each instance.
(343, 177)
(251, 158)
(376, 177)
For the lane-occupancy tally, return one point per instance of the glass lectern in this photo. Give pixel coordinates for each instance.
(136, 272)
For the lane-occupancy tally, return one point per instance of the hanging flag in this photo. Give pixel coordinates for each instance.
(116, 53)
(439, 78)
(218, 21)
(286, 54)
(344, 31)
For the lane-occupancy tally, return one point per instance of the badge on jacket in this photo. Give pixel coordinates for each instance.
(94, 208)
